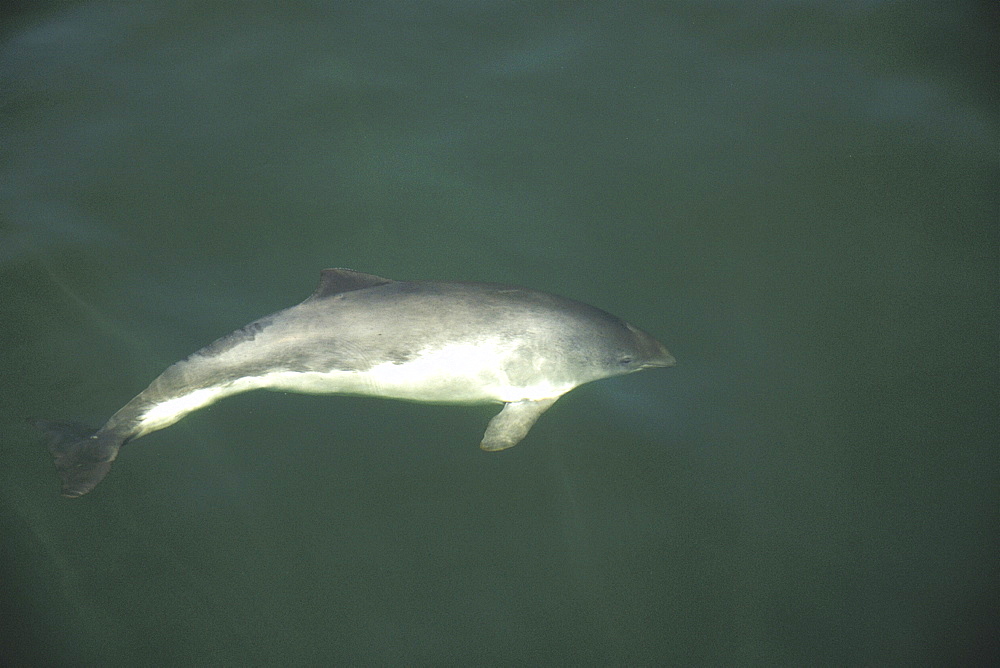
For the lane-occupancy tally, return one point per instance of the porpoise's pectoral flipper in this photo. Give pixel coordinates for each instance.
(512, 423)
(82, 456)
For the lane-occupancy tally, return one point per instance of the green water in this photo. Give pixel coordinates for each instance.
(798, 199)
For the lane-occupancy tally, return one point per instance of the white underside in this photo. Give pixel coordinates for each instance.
(460, 373)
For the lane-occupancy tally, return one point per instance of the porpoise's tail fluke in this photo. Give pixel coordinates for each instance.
(82, 457)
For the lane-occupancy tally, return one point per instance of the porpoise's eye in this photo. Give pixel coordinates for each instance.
(625, 360)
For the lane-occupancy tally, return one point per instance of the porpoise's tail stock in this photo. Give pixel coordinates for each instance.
(82, 456)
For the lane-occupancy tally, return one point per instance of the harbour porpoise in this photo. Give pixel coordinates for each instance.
(454, 343)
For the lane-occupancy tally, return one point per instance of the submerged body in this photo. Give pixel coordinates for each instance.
(362, 334)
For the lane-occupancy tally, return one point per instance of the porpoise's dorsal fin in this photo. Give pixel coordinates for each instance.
(335, 281)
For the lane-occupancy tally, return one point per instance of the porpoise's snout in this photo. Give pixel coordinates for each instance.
(653, 353)
(661, 358)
